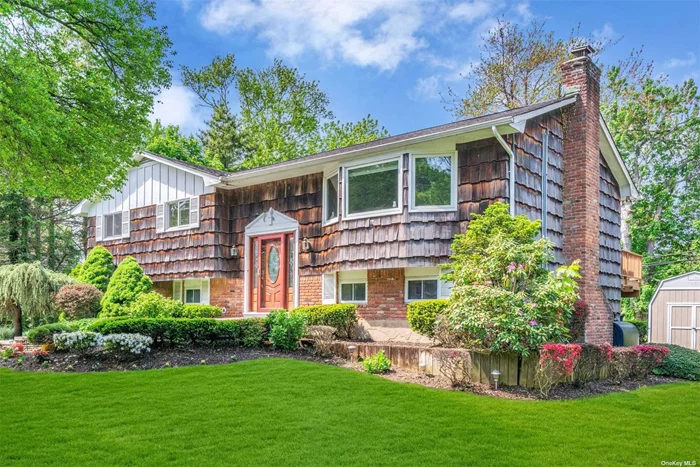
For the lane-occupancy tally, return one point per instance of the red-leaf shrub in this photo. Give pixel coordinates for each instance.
(557, 362)
(78, 301)
(593, 358)
(623, 363)
(577, 323)
(648, 358)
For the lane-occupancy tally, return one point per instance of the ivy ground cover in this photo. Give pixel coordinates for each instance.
(288, 412)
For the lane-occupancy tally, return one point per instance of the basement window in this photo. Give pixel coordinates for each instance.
(422, 289)
(355, 292)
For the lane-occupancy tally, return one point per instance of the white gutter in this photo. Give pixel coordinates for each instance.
(511, 169)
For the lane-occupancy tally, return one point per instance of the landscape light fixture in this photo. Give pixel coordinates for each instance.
(495, 374)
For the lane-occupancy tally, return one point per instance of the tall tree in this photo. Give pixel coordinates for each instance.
(77, 82)
(169, 141)
(335, 135)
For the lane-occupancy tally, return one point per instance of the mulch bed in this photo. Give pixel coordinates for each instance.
(179, 357)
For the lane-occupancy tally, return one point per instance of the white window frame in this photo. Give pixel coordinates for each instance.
(166, 215)
(353, 281)
(335, 219)
(184, 295)
(365, 163)
(183, 285)
(421, 278)
(104, 226)
(412, 184)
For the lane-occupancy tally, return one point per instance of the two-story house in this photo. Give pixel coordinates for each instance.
(370, 224)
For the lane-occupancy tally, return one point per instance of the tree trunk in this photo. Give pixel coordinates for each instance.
(16, 319)
(625, 215)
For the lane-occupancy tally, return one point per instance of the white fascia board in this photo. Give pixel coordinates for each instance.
(520, 121)
(615, 162)
(81, 209)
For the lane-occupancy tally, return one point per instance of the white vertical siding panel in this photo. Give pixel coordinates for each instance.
(148, 186)
(156, 184)
(181, 193)
(132, 189)
(189, 185)
(141, 189)
(199, 186)
(172, 183)
(164, 176)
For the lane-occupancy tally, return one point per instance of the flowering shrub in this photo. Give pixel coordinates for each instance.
(135, 344)
(78, 301)
(577, 323)
(79, 341)
(503, 297)
(649, 357)
(557, 362)
(377, 363)
(41, 356)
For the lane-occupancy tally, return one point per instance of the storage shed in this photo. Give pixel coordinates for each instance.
(674, 312)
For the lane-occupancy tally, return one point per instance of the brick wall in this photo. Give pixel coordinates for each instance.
(229, 294)
(165, 288)
(310, 290)
(581, 189)
(385, 294)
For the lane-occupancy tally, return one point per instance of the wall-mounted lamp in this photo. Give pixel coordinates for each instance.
(306, 244)
(234, 252)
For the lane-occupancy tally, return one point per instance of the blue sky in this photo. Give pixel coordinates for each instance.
(393, 59)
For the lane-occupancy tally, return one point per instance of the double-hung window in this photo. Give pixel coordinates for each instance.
(112, 225)
(433, 182)
(179, 213)
(373, 188)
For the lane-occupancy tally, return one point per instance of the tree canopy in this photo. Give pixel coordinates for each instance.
(77, 83)
(169, 141)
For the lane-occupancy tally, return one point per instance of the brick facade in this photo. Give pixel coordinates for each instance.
(165, 288)
(229, 294)
(581, 189)
(310, 290)
(385, 295)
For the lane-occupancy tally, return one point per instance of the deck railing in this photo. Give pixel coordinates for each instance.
(631, 274)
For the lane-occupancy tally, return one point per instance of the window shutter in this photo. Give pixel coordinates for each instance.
(329, 288)
(194, 211)
(160, 217)
(204, 292)
(126, 224)
(177, 291)
(98, 228)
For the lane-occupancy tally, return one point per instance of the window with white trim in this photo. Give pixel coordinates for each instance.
(422, 289)
(112, 225)
(353, 292)
(330, 199)
(191, 291)
(373, 188)
(179, 213)
(433, 182)
(193, 296)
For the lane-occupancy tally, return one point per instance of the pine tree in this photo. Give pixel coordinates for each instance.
(224, 145)
(126, 285)
(97, 268)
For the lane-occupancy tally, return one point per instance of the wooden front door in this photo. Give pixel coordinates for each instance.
(272, 273)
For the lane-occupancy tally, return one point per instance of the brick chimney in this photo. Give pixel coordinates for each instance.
(582, 187)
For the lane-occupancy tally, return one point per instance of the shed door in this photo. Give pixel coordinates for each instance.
(683, 325)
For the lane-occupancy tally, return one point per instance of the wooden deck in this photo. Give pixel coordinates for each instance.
(631, 274)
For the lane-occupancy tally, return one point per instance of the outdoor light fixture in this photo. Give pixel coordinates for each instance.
(421, 368)
(234, 252)
(495, 374)
(351, 351)
(307, 244)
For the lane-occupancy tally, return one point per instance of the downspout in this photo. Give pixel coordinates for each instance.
(511, 169)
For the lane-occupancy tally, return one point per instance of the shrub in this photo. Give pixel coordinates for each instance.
(557, 362)
(245, 332)
(125, 344)
(680, 363)
(154, 305)
(201, 311)
(342, 317)
(77, 301)
(503, 297)
(286, 329)
(577, 323)
(622, 363)
(126, 285)
(323, 339)
(377, 363)
(649, 357)
(78, 341)
(44, 334)
(642, 328)
(422, 315)
(593, 358)
(97, 269)
(6, 332)
(456, 366)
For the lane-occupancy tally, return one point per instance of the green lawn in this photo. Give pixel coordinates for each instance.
(286, 412)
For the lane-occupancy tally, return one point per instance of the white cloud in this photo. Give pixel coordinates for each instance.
(374, 33)
(177, 105)
(469, 12)
(681, 62)
(606, 34)
(427, 88)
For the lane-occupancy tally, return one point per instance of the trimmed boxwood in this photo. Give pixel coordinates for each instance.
(201, 311)
(421, 315)
(680, 363)
(342, 317)
(247, 332)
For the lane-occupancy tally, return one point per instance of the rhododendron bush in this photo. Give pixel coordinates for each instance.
(504, 297)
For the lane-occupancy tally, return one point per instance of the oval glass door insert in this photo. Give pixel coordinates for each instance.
(273, 264)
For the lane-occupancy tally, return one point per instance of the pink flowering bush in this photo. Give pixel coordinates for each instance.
(556, 364)
(503, 297)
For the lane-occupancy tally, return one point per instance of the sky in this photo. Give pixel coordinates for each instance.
(396, 59)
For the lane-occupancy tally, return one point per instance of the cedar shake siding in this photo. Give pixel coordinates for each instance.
(610, 238)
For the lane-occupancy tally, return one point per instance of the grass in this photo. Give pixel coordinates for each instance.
(287, 412)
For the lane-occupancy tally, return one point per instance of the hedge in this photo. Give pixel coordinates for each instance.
(680, 363)
(246, 332)
(642, 328)
(421, 315)
(201, 311)
(44, 334)
(342, 317)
